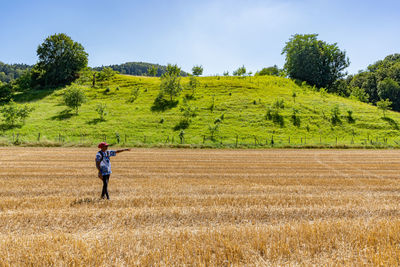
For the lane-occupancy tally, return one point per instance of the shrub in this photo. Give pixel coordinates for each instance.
(335, 115)
(74, 97)
(279, 104)
(12, 113)
(295, 118)
(349, 117)
(134, 95)
(102, 110)
(182, 124)
(162, 104)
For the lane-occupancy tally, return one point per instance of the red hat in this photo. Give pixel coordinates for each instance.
(102, 144)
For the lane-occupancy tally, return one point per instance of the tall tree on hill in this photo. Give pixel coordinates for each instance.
(60, 60)
(314, 61)
(197, 70)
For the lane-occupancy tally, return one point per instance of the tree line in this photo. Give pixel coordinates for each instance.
(10, 72)
(139, 69)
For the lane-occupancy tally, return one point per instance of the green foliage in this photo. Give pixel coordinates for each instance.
(188, 111)
(193, 84)
(335, 115)
(60, 59)
(172, 70)
(13, 113)
(162, 104)
(74, 97)
(359, 94)
(245, 119)
(134, 95)
(139, 69)
(377, 74)
(152, 71)
(314, 61)
(274, 116)
(101, 109)
(274, 71)
(349, 117)
(294, 95)
(182, 124)
(6, 92)
(85, 76)
(279, 104)
(213, 130)
(384, 105)
(8, 73)
(226, 73)
(241, 71)
(295, 118)
(106, 74)
(171, 82)
(390, 89)
(197, 70)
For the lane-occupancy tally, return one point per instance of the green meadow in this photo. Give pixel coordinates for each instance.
(239, 105)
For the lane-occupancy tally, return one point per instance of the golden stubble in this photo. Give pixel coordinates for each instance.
(200, 208)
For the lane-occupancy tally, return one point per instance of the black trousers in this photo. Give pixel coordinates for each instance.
(105, 184)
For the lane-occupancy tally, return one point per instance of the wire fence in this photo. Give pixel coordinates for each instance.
(180, 139)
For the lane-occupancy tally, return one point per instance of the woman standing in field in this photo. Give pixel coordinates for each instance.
(103, 164)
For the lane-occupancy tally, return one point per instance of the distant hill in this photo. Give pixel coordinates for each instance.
(137, 68)
(11, 72)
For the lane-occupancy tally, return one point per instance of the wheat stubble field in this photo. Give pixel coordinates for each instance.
(200, 208)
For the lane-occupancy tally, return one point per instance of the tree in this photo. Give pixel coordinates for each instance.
(172, 70)
(384, 105)
(12, 113)
(101, 109)
(106, 74)
(241, 71)
(152, 71)
(274, 71)
(74, 97)
(314, 61)
(6, 92)
(193, 84)
(390, 89)
(60, 59)
(170, 85)
(197, 70)
(171, 82)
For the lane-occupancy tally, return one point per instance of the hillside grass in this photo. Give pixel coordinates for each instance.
(242, 102)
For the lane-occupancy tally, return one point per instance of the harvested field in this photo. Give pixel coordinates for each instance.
(200, 207)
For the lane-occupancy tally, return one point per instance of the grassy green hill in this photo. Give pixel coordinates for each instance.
(240, 104)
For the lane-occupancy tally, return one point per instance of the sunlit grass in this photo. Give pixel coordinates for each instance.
(242, 102)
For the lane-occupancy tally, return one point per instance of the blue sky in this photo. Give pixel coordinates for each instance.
(221, 35)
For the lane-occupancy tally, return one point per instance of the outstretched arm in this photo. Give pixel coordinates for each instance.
(122, 150)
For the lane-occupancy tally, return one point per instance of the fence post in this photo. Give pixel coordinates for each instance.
(13, 137)
(204, 139)
(336, 140)
(38, 138)
(125, 139)
(105, 138)
(237, 137)
(272, 140)
(144, 139)
(301, 140)
(289, 140)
